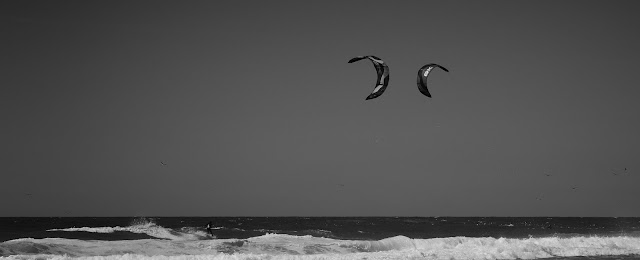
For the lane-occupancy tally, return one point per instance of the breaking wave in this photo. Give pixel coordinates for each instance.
(146, 226)
(280, 246)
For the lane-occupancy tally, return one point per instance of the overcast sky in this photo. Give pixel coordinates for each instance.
(249, 108)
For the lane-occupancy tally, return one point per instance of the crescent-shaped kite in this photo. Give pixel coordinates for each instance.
(383, 75)
(423, 73)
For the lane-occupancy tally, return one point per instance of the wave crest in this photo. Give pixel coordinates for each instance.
(146, 226)
(392, 243)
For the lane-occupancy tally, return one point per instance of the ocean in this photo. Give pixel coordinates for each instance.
(320, 238)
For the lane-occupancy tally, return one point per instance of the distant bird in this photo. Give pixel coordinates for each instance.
(574, 188)
(161, 162)
(423, 73)
(383, 75)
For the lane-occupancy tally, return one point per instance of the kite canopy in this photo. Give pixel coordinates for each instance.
(383, 75)
(423, 73)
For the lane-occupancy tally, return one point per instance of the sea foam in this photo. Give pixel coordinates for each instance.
(279, 246)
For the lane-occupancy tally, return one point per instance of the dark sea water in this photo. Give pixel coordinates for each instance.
(321, 238)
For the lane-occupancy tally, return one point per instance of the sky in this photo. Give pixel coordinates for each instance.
(249, 108)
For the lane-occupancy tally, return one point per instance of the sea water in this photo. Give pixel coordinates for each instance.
(320, 238)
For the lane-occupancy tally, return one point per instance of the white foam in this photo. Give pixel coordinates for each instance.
(91, 229)
(146, 227)
(279, 246)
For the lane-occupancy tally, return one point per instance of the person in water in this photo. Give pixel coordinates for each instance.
(209, 229)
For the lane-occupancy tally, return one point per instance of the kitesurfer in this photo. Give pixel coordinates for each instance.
(209, 229)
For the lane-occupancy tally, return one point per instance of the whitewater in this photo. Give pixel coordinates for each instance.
(280, 246)
(188, 242)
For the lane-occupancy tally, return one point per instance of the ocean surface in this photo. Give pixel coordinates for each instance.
(320, 238)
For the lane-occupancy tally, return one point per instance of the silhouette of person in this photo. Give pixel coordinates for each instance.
(209, 229)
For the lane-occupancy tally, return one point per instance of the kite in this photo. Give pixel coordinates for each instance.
(383, 75)
(422, 77)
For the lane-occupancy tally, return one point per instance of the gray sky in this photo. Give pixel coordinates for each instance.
(255, 111)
